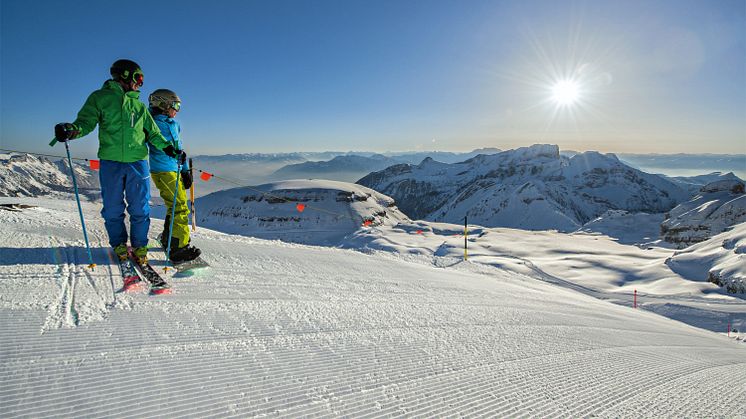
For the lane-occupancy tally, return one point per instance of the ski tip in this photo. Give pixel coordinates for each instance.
(133, 285)
(134, 288)
(161, 291)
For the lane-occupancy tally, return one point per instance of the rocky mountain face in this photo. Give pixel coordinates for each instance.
(318, 212)
(718, 206)
(29, 175)
(719, 260)
(532, 188)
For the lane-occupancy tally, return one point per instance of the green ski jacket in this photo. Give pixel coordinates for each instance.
(124, 124)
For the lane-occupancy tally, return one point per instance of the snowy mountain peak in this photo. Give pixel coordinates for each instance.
(536, 151)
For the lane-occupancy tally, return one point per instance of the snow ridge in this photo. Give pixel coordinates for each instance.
(318, 212)
(29, 175)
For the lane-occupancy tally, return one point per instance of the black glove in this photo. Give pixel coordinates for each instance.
(182, 157)
(186, 179)
(65, 131)
(179, 155)
(170, 151)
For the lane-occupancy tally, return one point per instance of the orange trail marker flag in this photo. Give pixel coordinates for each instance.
(205, 176)
(94, 164)
(300, 207)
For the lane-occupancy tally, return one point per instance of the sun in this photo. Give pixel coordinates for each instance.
(565, 92)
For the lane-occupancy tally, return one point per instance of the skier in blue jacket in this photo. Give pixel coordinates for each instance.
(164, 170)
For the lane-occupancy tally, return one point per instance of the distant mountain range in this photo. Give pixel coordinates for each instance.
(351, 167)
(686, 164)
(532, 188)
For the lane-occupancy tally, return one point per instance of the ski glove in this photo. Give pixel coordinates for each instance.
(182, 157)
(186, 179)
(65, 131)
(179, 155)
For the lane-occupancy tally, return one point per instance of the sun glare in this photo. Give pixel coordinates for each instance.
(565, 92)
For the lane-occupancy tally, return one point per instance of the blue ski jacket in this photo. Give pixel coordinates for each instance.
(159, 161)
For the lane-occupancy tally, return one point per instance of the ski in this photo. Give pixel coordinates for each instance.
(131, 281)
(145, 271)
(191, 265)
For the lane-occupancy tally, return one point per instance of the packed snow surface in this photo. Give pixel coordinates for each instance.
(292, 330)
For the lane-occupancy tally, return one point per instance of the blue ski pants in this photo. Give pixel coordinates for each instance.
(126, 186)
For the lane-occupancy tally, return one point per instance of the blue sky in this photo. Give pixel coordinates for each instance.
(278, 76)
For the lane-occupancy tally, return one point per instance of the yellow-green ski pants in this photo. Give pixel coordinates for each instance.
(165, 182)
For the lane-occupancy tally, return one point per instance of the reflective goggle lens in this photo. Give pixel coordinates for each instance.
(176, 106)
(138, 78)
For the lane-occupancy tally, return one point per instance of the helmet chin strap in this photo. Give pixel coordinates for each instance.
(126, 85)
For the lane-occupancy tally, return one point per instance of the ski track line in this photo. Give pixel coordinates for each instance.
(476, 396)
(284, 401)
(637, 405)
(27, 351)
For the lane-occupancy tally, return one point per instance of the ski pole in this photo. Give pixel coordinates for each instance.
(77, 199)
(191, 196)
(173, 213)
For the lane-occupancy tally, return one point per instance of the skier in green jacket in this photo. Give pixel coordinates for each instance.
(125, 130)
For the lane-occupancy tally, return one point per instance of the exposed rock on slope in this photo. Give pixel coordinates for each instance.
(718, 206)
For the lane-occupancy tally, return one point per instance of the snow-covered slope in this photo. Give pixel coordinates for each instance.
(629, 228)
(29, 175)
(720, 260)
(718, 206)
(291, 330)
(531, 188)
(330, 210)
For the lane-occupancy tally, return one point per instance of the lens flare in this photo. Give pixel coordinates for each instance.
(565, 92)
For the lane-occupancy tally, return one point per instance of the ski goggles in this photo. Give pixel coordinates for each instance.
(138, 77)
(176, 106)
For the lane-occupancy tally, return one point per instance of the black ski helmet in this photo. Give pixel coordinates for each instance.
(125, 70)
(164, 99)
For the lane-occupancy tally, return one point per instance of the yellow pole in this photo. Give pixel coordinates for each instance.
(191, 196)
(466, 234)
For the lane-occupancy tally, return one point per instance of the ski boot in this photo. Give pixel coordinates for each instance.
(184, 254)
